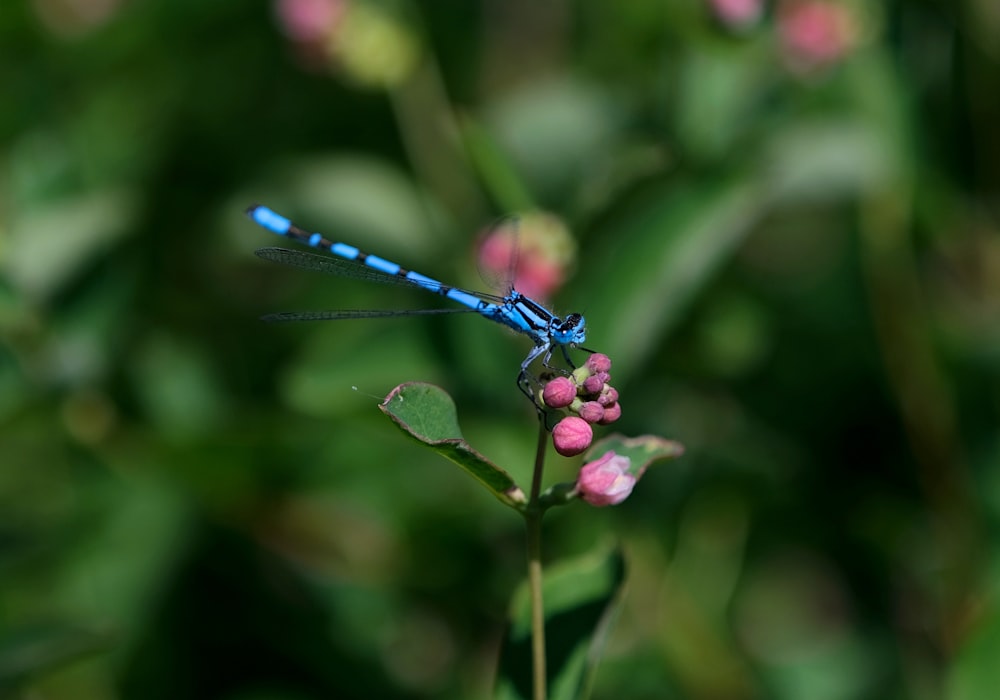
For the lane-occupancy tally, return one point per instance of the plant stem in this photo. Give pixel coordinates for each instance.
(432, 138)
(533, 522)
(930, 418)
(536, 477)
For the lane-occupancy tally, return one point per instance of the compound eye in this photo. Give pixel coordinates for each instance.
(573, 329)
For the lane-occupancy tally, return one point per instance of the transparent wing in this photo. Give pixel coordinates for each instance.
(346, 268)
(499, 254)
(346, 314)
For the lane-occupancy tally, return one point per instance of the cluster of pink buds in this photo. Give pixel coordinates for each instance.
(588, 397)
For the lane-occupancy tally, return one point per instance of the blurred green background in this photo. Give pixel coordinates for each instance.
(787, 228)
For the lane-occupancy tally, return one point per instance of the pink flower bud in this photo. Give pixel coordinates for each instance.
(559, 392)
(593, 384)
(611, 414)
(599, 362)
(571, 436)
(609, 395)
(606, 481)
(591, 411)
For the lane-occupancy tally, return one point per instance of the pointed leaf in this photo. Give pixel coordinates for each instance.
(642, 450)
(677, 239)
(427, 414)
(496, 171)
(580, 596)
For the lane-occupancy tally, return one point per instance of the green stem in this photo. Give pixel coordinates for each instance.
(533, 521)
(433, 142)
(929, 415)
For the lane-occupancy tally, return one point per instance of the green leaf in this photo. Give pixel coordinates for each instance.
(677, 241)
(177, 387)
(720, 89)
(974, 673)
(826, 160)
(30, 650)
(427, 414)
(47, 247)
(118, 568)
(357, 195)
(580, 596)
(555, 129)
(642, 450)
(496, 171)
(365, 194)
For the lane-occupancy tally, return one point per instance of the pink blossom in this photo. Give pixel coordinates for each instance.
(497, 249)
(606, 481)
(539, 279)
(308, 20)
(737, 13)
(537, 248)
(816, 33)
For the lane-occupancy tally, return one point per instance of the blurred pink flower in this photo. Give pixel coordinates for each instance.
(73, 18)
(362, 41)
(737, 14)
(498, 247)
(606, 481)
(538, 247)
(816, 33)
(308, 20)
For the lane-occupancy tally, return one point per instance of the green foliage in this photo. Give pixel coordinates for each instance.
(641, 451)
(793, 267)
(580, 600)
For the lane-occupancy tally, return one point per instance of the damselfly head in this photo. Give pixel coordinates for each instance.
(572, 330)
